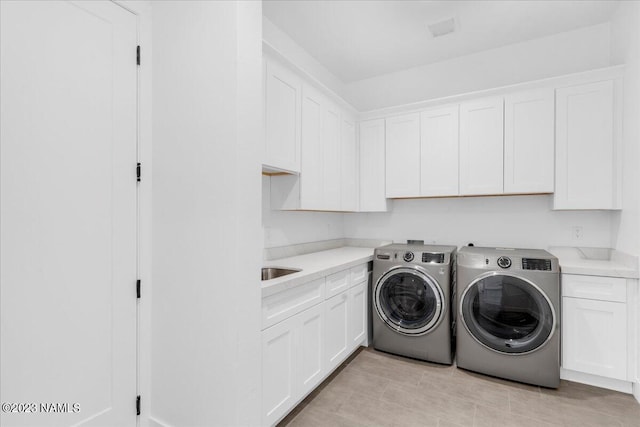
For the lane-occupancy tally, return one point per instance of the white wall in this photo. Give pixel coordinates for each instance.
(283, 228)
(565, 53)
(286, 46)
(206, 214)
(509, 221)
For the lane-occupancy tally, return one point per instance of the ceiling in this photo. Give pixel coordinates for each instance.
(356, 40)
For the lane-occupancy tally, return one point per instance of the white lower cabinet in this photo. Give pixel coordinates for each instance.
(595, 337)
(309, 341)
(597, 328)
(358, 321)
(310, 367)
(292, 361)
(337, 330)
(278, 370)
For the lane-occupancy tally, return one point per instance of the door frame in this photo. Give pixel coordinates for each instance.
(142, 11)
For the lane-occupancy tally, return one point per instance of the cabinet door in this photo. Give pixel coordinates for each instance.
(529, 142)
(372, 167)
(336, 333)
(594, 337)
(403, 156)
(358, 317)
(439, 152)
(348, 166)
(331, 156)
(278, 370)
(481, 146)
(312, 173)
(282, 118)
(310, 355)
(585, 149)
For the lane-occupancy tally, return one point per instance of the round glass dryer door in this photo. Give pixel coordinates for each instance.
(507, 314)
(408, 300)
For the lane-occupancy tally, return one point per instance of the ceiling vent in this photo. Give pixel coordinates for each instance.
(442, 27)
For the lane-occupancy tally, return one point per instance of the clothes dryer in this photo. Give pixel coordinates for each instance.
(509, 314)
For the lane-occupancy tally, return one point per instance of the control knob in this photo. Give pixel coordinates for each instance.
(504, 262)
(408, 256)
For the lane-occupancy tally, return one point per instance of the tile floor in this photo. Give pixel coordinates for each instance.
(377, 389)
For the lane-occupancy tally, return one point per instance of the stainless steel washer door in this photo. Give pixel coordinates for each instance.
(507, 313)
(408, 300)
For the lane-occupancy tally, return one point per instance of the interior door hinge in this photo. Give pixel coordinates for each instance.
(138, 55)
(138, 288)
(139, 171)
(138, 405)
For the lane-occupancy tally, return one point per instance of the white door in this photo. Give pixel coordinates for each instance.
(358, 318)
(310, 356)
(348, 166)
(331, 157)
(372, 166)
(403, 156)
(586, 175)
(594, 337)
(282, 118)
(312, 175)
(481, 147)
(337, 331)
(529, 125)
(439, 152)
(68, 196)
(278, 370)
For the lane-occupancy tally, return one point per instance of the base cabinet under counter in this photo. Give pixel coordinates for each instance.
(306, 343)
(599, 330)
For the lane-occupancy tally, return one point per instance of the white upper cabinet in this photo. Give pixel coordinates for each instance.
(481, 147)
(587, 171)
(529, 142)
(312, 162)
(372, 167)
(348, 165)
(439, 152)
(282, 118)
(402, 155)
(331, 145)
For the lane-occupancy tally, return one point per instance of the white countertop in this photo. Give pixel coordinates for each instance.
(596, 262)
(314, 266)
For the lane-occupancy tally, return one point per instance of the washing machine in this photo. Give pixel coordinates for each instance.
(413, 287)
(509, 314)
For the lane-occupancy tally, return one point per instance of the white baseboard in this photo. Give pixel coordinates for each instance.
(636, 390)
(154, 422)
(598, 381)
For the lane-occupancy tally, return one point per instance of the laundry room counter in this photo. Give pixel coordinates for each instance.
(596, 262)
(314, 266)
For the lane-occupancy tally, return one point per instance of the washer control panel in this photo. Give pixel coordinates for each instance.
(504, 262)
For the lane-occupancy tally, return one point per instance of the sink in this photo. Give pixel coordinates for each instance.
(269, 273)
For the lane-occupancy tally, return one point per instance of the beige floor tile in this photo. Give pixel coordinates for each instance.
(597, 399)
(311, 417)
(431, 403)
(330, 399)
(361, 382)
(384, 369)
(445, 423)
(382, 413)
(475, 391)
(377, 389)
(487, 416)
